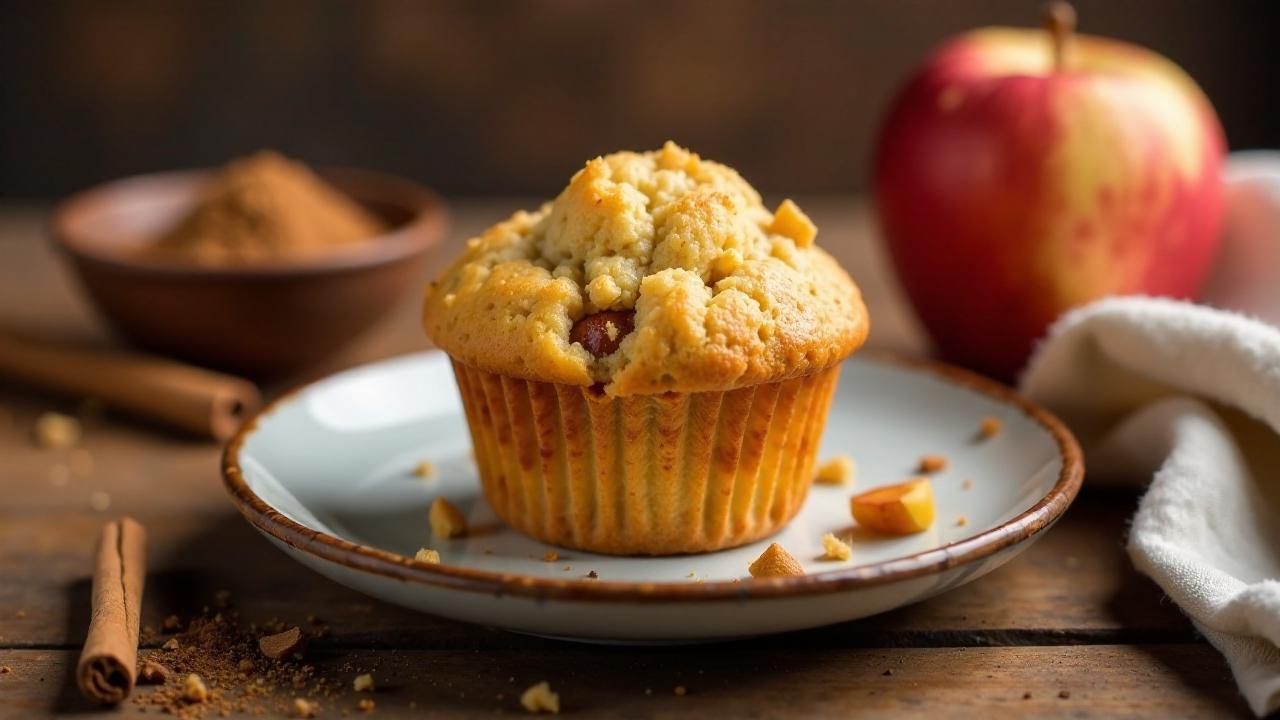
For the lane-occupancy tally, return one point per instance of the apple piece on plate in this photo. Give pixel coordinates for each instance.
(899, 509)
(1023, 172)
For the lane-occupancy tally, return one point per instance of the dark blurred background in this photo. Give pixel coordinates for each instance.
(511, 97)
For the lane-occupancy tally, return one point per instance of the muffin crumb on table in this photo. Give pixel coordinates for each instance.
(56, 431)
(427, 555)
(539, 698)
(286, 644)
(223, 652)
(425, 469)
(153, 673)
(193, 689)
(304, 708)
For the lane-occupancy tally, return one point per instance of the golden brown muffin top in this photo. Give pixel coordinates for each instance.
(725, 294)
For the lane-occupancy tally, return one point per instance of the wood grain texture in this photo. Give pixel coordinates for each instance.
(744, 680)
(1074, 586)
(1069, 614)
(473, 99)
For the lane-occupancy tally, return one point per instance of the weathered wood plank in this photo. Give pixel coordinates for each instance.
(742, 680)
(1075, 585)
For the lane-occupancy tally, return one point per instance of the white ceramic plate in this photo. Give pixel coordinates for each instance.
(326, 473)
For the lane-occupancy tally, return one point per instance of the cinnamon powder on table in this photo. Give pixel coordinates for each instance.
(262, 208)
(224, 656)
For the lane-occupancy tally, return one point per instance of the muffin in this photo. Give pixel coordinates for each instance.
(646, 362)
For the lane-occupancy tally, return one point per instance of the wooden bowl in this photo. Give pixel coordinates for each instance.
(265, 320)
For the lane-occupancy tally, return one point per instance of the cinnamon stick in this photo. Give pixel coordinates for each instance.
(183, 396)
(106, 671)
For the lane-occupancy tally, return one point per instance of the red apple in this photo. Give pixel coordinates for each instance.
(1023, 172)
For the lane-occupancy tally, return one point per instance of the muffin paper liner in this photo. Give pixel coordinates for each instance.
(649, 474)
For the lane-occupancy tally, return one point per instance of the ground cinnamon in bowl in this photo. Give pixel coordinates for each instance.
(264, 208)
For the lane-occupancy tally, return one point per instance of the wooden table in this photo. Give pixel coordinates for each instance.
(1068, 628)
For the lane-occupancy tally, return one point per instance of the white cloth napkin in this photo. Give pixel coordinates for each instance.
(1188, 398)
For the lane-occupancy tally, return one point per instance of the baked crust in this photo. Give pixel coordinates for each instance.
(725, 293)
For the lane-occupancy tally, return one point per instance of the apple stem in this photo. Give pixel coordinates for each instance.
(1060, 20)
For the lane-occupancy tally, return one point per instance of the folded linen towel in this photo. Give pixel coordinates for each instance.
(1186, 397)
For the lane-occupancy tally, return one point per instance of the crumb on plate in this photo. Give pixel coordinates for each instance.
(989, 428)
(775, 562)
(446, 519)
(839, 470)
(835, 548)
(932, 463)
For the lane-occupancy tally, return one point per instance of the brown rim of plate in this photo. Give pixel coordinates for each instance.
(420, 232)
(976, 547)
